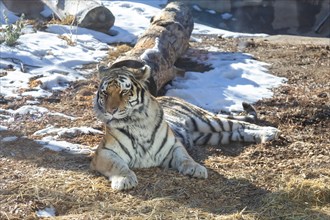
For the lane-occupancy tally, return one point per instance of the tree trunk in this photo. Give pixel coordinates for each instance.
(89, 14)
(161, 45)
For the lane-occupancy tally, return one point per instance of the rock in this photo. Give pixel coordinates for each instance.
(30, 8)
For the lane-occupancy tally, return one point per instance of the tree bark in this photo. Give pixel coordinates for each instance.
(166, 39)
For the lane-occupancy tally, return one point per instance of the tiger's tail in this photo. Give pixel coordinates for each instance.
(251, 114)
(223, 129)
(255, 134)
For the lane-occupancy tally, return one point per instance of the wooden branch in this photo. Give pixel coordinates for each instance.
(161, 45)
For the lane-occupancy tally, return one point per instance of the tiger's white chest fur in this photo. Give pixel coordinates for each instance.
(139, 139)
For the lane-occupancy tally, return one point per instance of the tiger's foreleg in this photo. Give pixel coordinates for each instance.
(179, 159)
(108, 163)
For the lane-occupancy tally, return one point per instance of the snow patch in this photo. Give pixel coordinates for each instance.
(236, 78)
(226, 16)
(29, 109)
(197, 8)
(132, 18)
(67, 132)
(32, 102)
(32, 110)
(56, 82)
(62, 115)
(148, 52)
(63, 146)
(50, 58)
(39, 93)
(211, 11)
(3, 128)
(9, 139)
(46, 212)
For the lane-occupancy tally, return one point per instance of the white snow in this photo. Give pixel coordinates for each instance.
(50, 58)
(48, 130)
(154, 50)
(90, 39)
(236, 77)
(54, 57)
(211, 11)
(32, 110)
(226, 16)
(56, 82)
(203, 29)
(62, 115)
(197, 8)
(32, 102)
(132, 19)
(50, 143)
(3, 128)
(46, 212)
(29, 109)
(9, 139)
(64, 132)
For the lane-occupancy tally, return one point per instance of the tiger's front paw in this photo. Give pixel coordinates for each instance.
(191, 168)
(119, 182)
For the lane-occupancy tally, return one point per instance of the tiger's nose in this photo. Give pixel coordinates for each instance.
(112, 110)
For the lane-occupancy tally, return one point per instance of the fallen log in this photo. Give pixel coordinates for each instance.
(89, 14)
(166, 39)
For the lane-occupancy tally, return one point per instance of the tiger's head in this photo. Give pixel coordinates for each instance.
(120, 93)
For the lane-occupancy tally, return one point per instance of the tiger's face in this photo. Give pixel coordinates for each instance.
(118, 95)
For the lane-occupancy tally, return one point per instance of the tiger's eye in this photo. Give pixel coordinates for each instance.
(103, 92)
(124, 92)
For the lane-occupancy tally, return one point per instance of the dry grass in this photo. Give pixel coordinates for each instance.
(316, 192)
(68, 20)
(298, 199)
(69, 40)
(286, 179)
(118, 51)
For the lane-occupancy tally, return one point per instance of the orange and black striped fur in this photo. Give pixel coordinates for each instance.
(143, 131)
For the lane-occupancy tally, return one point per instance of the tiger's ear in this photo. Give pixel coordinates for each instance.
(102, 71)
(146, 77)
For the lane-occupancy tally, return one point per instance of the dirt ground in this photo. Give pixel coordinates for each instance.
(286, 179)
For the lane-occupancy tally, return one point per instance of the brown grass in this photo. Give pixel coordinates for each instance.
(68, 40)
(316, 192)
(118, 51)
(286, 179)
(68, 20)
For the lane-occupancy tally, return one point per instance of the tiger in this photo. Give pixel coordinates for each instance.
(143, 131)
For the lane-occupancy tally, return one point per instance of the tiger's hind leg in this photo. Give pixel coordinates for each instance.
(112, 166)
(179, 159)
